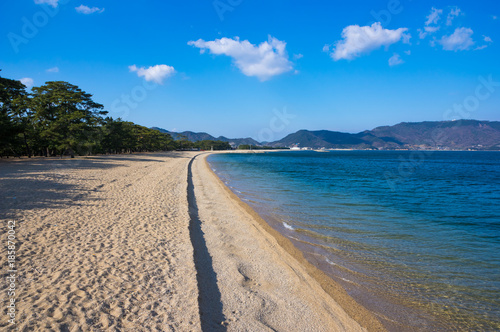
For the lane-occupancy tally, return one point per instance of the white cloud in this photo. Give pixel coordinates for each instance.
(395, 60)
(406, 38)
(433, 17)
(482, 47)
(357, 40)
(264, 61)
(82, 9)
(431, 29)
(154, 73)
(460, 40)
(298, 56)
(421, 34)
(408, 52)
(52, 3)
(454, 12)
(53, 70)
(27, 81)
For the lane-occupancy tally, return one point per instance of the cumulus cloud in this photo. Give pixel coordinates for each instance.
(487, 39)
(460, 40)
(53, 70)
(434, 16)
(431, 23)
(264, 61)
(82, 9)
(454, 12)
(155, 74)
(357, 40)
(395, 60)
(52, 3)
(27, 81)
(298, 56)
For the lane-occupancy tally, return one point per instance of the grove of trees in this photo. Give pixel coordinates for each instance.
(58, 119)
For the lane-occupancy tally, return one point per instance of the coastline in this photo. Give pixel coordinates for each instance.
(410, 300)
(114, 242)
(353, 309)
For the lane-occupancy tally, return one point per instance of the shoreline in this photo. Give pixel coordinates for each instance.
(114, 242)
(355, 310)
(399, 303)
(395, 315)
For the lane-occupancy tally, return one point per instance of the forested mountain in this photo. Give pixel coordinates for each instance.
(194, 137)
(457, 135)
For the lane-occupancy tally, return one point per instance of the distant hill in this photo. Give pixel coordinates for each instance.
(459, 135)
(321, 138)
(194, 137)
(463, 134)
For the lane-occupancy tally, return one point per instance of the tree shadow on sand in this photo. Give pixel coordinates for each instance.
(37, 184)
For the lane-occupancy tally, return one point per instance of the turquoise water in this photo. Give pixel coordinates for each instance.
(413, 236)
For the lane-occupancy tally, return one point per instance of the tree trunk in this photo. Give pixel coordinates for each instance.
(28, 150)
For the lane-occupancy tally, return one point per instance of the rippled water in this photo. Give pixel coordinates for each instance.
(413, 236)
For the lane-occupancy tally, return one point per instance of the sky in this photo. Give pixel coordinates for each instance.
(263, 69)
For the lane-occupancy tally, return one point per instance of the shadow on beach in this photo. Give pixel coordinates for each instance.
(209, 296)
(39, 184)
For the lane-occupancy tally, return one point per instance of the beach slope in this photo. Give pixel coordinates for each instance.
(264, 282)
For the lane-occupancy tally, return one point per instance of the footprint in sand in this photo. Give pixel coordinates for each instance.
(55, 313)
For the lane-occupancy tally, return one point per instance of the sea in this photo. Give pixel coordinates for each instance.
(414, 236)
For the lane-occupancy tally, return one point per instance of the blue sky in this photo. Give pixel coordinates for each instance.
(263, 68)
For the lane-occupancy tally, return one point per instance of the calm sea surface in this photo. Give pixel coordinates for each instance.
(413, 236)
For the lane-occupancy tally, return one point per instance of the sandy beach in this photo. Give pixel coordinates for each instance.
(154, 242)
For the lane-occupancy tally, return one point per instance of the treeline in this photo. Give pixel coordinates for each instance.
(58, 119)
(203, 145)
(258, 147)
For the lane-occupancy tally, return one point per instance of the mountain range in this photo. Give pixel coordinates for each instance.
(194, 137)
(445, 135)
